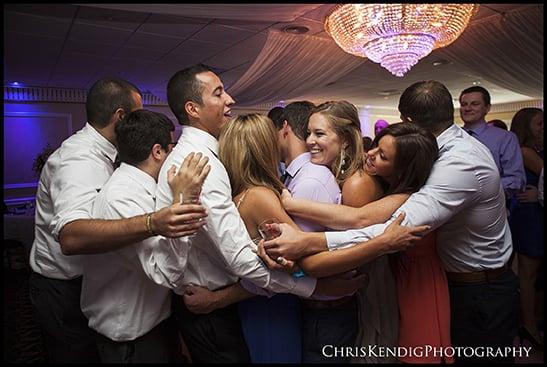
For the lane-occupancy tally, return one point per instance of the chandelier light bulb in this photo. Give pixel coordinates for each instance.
(397, 36)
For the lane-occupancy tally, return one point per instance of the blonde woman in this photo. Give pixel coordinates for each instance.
(248, 149)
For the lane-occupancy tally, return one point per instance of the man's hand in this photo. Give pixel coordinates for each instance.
(178, 220)
(401, 237)
(200, 300)
(341, 284)
(189, 178)
(290, 245)
(280, 263)
(530, 195)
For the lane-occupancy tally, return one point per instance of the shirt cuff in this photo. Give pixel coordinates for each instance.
(250, 287)
(304, 286)
(337, 240)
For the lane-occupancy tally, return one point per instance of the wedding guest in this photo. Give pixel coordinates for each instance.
(70, 180)
(527, 220)
(128, 301)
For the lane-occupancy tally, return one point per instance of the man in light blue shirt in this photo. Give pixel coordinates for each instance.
(504, 145)
(463, 199)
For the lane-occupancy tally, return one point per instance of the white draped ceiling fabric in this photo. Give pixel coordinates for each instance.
(247, 12)
(289, 66)
(483, 49)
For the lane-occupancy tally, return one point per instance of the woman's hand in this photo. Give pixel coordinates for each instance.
(280, 263)
(187, 182)
(530, 195)
(286, 199)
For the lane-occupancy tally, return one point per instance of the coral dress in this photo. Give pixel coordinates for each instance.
(424, 301)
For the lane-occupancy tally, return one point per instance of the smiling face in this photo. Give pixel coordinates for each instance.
(323, 142)
(380, 160)
(473, 108)
(214, 110)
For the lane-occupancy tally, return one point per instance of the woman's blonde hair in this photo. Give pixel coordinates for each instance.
(249, 151)
(345, 121)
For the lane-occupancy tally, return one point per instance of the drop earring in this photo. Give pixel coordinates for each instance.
(342, 161)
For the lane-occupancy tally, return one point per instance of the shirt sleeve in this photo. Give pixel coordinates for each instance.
(513, 176)
(312, 189)
(163, 260)
(74, 186)
(437, 201)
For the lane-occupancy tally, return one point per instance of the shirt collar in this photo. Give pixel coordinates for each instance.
(479, 127)
(194, 134)
(450, 133)
(102, 143)
(297, 163)
(142, 178)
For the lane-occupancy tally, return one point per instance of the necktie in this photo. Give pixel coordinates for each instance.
(470, 132)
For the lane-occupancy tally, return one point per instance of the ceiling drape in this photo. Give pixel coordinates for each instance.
(247, 12)
(483, 49)
(290, 65)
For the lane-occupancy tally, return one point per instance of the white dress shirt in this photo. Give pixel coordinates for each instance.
(464, 199)
(221, 251)
(125, 293)
(70, 180)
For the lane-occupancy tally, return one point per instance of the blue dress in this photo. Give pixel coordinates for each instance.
(272, 328)
(526, 223)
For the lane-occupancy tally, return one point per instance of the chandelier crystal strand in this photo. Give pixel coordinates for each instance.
(397, 36)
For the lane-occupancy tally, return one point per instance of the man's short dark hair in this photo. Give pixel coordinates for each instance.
(183, 87)
(428, 104)
(139, 131)
(478, 89)
(105, 97)
(297, 115)
(276, 115)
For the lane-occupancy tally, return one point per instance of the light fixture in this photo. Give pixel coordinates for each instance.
(397, 35)
(296, 29)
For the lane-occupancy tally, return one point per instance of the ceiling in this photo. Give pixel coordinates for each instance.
(71, 46)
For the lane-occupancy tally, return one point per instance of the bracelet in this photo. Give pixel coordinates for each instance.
(149, 224)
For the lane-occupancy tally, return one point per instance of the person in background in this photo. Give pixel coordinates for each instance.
(504, 146)
(367, 144)
(276, 115)
(498, 123)
(527, 220)
(70, 180)
(379, 125)
(128, 301)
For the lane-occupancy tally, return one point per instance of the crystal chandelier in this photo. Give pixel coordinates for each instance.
(397, 35)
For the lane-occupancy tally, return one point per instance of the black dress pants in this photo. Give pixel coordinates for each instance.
(484, 314)
(56, 305)
(159, 345)
(215, 337)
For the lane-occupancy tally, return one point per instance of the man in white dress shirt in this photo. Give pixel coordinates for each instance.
(463, 199)
(221, 252)
(128, 302)
(70, 181)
